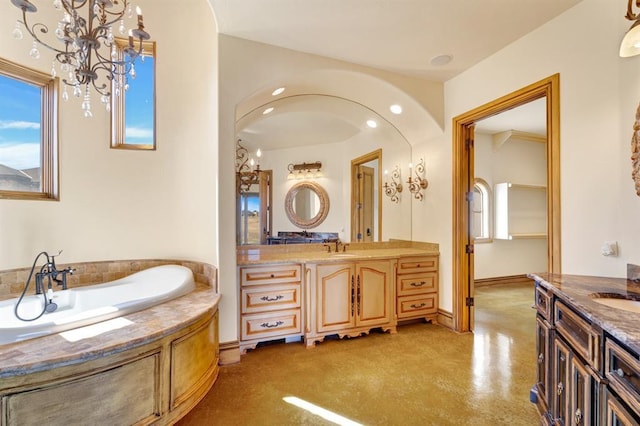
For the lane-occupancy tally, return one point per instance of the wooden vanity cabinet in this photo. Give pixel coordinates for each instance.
(349, 299)
(622, 369)
(417, 288)
(270, 303)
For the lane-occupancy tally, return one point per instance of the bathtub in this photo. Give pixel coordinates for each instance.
(79, 307)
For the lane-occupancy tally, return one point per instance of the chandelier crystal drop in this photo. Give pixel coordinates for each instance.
(84, 45)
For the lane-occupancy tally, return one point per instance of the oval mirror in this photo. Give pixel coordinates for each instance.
(306, 205)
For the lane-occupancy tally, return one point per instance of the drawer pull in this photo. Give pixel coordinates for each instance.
(273, 276)
(540, 358)
(272, 299)
(422, 305)
(271, 325)
(420, 284)
(560, 388)
(619, 372)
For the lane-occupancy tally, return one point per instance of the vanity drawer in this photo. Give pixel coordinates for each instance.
(416, 306)
(270, 298)
(543, 302)
(411, 265)
(260, 326)
(623, 371)
(580, 334)
(260, 275)
(417, 283)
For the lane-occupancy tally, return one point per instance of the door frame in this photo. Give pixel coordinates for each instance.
(463, 183)
(355, 163)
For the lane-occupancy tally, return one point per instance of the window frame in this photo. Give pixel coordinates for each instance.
(487, 210)
(118, 113)
(49, 157)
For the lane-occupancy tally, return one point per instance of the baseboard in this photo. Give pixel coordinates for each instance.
(229, 353)
(510, 279)
(445, 319)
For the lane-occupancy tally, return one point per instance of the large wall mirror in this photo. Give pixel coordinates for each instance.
(333, 131)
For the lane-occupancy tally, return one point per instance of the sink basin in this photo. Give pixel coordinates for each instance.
(618, 301)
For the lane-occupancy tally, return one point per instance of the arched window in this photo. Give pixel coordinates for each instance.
(481, 212)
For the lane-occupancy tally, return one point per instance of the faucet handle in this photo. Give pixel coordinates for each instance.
(344, 247)
(328, 246)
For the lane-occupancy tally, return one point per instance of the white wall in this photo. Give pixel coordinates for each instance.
(516, 161)
(117, 204)
(598, 99)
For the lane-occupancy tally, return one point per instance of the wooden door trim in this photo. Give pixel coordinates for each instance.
(549, 88)
(377, 154)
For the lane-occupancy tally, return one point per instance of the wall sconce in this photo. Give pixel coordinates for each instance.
(247, 169)
(418, 184)
(393, 189)
(630, 45)
(305, 170)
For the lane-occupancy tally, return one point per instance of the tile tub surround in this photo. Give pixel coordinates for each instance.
(300, 253)
(577, 290)
(12, 281)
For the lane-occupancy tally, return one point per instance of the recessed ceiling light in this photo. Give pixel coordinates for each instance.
(267, 111)
(372, 124)
(396, 109)
(440, 60)
(277, 91)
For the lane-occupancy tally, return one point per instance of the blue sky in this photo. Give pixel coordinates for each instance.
(20, 116)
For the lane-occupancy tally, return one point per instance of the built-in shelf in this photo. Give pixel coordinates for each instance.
(520, 211)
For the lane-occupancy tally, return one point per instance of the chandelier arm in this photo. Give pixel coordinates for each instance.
(38, 27)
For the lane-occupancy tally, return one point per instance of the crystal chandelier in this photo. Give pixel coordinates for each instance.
(87, 52)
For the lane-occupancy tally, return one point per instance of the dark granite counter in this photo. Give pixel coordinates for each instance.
(579, 291)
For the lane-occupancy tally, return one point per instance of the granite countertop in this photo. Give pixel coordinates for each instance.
(259, 256)
(577, 290)
(135, 329)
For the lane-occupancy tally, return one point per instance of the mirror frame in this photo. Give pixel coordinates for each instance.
(323, 210)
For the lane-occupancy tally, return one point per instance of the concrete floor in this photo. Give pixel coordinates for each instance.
(423, 375)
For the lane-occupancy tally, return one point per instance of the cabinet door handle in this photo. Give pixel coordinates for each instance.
(271, 325)
(540, 358)
(418, 306)
(359, 295)
(272, 276)
(577, 417)
(272, 299)
(560, 388)
(420, 284)
(353, 296)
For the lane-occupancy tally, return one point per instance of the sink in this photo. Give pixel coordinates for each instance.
(618, 301)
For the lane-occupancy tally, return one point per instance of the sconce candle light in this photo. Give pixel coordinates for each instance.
(630, 45)
(419, 183)
(247, 169)
(305, 170)
(393, 189)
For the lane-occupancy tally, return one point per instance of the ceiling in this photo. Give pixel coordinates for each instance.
(395, 35)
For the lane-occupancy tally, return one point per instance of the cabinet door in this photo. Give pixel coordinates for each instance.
(335, 286)
(580, 394)
(561, 382)
(373, 293)
(542, 369)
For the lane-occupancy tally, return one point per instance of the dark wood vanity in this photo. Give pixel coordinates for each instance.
(588, 364)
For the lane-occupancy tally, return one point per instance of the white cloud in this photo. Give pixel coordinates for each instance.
(20, 156)
(7, 124)
(138, 133)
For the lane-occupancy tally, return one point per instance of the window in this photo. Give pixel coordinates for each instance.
(133, 102)
(481, 212)
(28, 134)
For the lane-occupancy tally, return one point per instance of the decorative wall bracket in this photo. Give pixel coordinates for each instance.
(419, 183)
(246, 173)
(394, 189)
